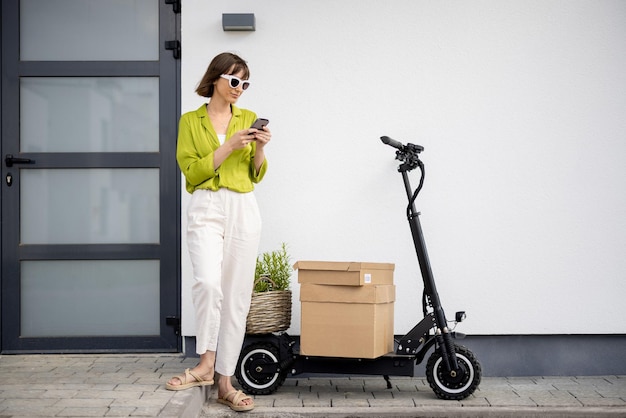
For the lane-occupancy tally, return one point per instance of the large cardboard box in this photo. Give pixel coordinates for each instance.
(344, 273)
(347, 321)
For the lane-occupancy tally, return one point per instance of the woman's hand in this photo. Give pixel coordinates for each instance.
(262, 137)
(240, 139)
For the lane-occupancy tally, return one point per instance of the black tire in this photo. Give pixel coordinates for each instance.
(457, 387)
(252, 373)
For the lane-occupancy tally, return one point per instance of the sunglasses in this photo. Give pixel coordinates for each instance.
(235, 82)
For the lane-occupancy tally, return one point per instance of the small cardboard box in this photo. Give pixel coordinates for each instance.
(347, 321)
(344, 273)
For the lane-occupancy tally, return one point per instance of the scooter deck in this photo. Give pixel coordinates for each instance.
(390, 364)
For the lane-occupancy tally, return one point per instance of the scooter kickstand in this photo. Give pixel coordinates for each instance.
(389, 386)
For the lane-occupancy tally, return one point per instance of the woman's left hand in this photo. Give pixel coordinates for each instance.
(262, 137)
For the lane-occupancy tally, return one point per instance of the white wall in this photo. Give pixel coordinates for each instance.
(521, 108)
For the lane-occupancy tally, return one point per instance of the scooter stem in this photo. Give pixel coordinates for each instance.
(444, 338)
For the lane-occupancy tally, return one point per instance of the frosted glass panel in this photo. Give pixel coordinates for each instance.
(89, 114)
(89, 30)
(90, 298)
(89, 206)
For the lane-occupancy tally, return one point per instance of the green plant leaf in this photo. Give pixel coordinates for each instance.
(277, 266)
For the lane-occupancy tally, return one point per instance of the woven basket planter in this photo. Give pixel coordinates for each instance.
(269, 312)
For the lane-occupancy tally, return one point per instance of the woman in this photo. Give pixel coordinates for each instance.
(221, 157)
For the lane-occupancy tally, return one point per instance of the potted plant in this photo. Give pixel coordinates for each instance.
(270, 308)
(275, 265)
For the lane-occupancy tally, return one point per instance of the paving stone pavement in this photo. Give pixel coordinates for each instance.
(132, 385)
(94, 386)
(599, 396)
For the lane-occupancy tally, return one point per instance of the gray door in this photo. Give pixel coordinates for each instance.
(90, 188)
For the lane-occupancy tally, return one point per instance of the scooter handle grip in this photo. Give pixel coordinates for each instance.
(392, 142)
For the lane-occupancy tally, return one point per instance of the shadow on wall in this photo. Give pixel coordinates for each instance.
(547, 355)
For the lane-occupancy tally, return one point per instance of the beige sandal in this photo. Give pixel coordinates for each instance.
(236, 396)
(188, 380)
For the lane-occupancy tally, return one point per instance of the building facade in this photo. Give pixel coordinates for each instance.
(519, 105)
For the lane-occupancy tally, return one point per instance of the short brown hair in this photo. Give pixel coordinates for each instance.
(224, 63)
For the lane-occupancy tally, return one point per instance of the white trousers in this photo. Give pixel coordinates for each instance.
(223, 234)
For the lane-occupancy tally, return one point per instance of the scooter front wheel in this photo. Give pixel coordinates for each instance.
(257, 370)
(459, 384)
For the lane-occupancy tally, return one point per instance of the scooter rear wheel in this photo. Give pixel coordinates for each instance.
(455, 386)
(257, 369)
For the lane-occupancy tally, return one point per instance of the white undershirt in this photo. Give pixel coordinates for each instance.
(222, 138)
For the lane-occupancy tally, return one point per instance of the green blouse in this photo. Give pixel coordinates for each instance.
(197, 141)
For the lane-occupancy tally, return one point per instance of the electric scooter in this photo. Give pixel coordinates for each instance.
(452, 370)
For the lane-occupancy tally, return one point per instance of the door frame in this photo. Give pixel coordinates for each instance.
(167, 251)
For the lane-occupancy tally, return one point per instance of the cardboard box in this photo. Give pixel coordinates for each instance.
(347, 321)
(344, 273)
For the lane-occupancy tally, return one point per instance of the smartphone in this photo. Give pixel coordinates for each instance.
(260, 123)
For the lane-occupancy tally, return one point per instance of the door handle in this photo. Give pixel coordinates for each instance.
(10, 160)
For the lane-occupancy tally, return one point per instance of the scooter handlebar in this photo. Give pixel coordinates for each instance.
(392, 142)
(408, 148)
